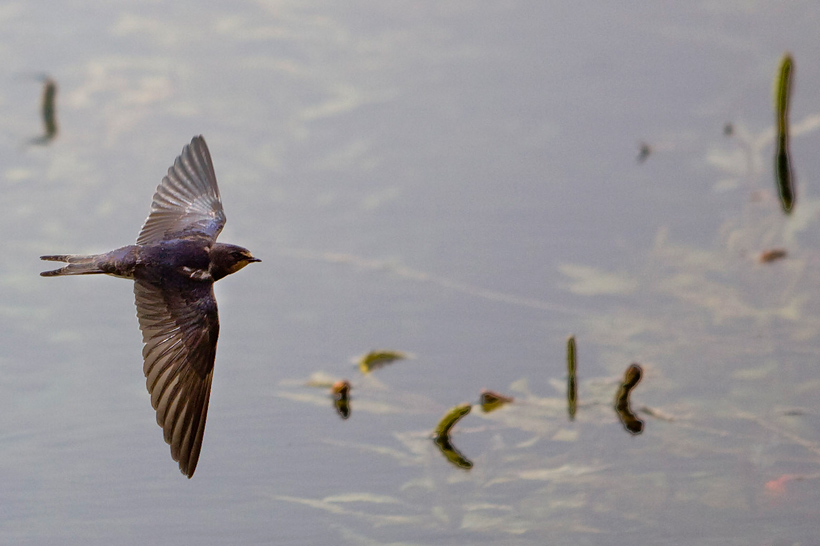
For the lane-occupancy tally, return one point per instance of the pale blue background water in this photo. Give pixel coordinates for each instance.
(457, 180)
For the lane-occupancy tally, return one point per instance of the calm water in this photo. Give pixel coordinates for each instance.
(456, 180)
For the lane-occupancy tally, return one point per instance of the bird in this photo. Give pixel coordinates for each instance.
(174, 265)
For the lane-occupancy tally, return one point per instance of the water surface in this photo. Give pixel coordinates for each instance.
(458, 181)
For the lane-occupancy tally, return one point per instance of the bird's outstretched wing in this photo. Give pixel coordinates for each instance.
(187, 201)
(180, 326)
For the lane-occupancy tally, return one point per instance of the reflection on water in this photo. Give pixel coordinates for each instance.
(453, 455)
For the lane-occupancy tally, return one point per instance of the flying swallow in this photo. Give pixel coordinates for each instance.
(174, 266)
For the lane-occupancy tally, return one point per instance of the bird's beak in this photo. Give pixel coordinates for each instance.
(252, 259)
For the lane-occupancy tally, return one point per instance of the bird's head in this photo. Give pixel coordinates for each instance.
(227, 259)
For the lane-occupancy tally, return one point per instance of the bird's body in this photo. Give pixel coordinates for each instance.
(174, 264)
(189, 259)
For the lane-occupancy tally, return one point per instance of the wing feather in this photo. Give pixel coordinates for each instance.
(187, 200)
(180, 327)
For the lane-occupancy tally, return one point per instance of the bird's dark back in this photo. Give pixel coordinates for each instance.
(170, 262)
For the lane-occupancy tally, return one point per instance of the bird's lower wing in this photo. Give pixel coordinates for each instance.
(180, 326)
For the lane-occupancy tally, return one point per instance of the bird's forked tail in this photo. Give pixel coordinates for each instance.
(77, 265)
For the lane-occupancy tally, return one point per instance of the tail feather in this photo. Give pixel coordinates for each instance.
(77, 265)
